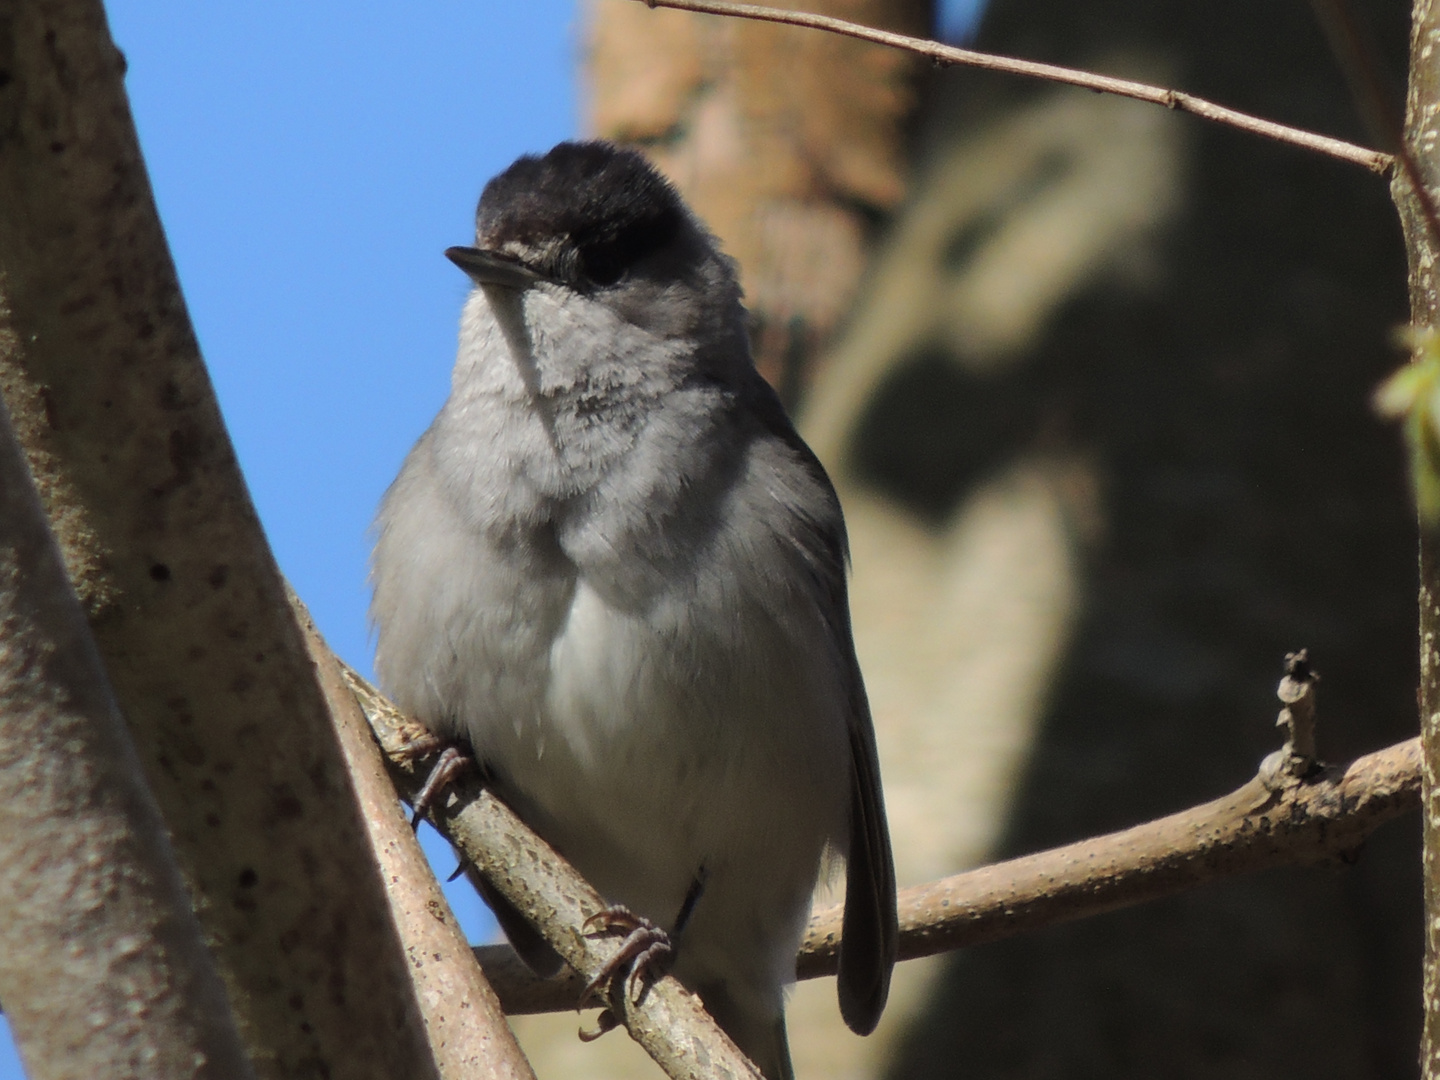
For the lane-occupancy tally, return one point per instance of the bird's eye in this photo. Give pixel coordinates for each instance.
(608, 253)
(603, 264)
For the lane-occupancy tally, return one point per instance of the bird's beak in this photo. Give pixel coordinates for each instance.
(492, 268)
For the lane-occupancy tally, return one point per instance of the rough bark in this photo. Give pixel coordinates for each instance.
(103, 970)
(110, 399)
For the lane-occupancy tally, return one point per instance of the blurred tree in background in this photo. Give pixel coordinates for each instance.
(1094, 380)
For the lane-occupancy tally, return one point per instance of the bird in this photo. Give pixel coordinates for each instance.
(613, 568)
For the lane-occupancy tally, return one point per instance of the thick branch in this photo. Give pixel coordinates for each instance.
(103, 969)
(1253, 828)
(104, 382)
(1373, 160)
(668, 1021)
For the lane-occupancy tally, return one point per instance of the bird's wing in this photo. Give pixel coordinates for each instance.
(871, 934)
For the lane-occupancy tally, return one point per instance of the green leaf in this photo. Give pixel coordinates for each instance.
(1412, 395)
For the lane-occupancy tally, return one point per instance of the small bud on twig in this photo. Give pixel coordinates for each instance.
(1297, 758)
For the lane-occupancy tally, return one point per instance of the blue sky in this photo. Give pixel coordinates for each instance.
(311, 163)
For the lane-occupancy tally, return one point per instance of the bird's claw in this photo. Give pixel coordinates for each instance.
(645, 952)
(450, 764)
(606, 1021)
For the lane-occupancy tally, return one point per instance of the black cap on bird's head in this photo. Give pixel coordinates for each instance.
(582, 214)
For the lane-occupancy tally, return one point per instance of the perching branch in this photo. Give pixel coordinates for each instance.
(668, 1021)
(1373, 160)
(1293, 811)
(103, 967)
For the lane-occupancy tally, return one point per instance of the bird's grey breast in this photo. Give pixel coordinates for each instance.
(566, 415)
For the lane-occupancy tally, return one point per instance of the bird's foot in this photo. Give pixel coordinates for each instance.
(451, 763)
(645, 953)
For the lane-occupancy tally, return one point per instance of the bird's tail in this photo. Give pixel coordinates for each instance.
(758, 1032)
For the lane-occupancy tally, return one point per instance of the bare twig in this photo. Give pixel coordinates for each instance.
(1373, 160)
(1253, 828)
(668, 1021)
(1277, 819)
(103, 969)
(468, 1033)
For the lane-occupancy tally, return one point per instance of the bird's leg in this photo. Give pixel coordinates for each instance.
(647, 951)
(687, 906)
(451, 763)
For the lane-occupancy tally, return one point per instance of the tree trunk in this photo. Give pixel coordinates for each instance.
(1422, 247)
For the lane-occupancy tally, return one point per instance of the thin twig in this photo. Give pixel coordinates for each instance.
(668, 1021)
(1373, 160)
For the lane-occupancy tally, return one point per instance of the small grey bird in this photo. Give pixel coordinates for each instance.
(614, 568)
